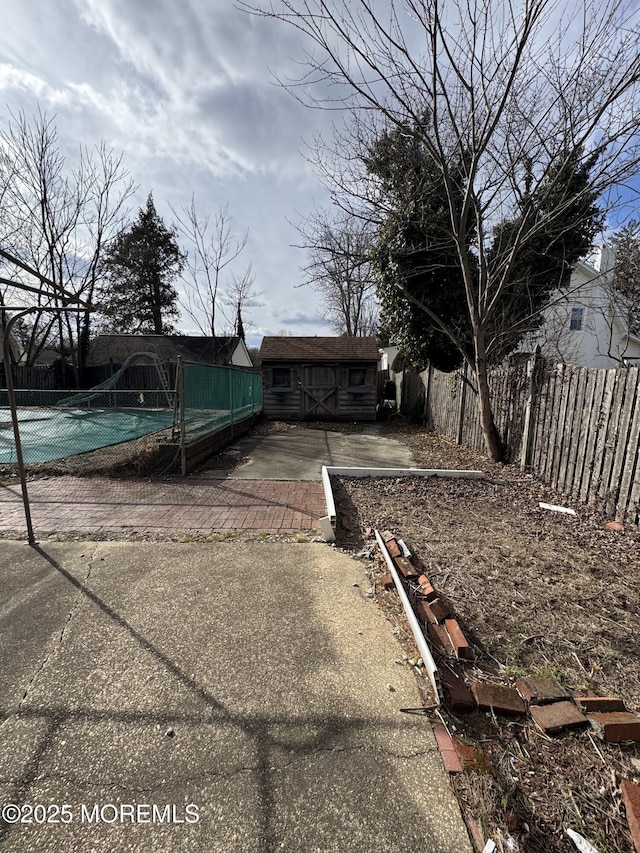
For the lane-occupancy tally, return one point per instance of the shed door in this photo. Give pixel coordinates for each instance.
(319, 391)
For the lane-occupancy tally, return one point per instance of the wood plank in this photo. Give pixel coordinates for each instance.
(603, 433)
(559, 410)
(620, 456)
(587, 407)
(568, 424)
(630, 461)
(551, 422)
(612, 437)
(594, 419)
(572, 478)
(537, 438)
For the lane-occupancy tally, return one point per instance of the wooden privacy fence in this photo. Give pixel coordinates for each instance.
(577, 429)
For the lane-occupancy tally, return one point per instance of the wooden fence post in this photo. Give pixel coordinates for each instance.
(463, 399)
(427, 396)
(525, 448)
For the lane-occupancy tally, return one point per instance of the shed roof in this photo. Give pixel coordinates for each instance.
(284, 348)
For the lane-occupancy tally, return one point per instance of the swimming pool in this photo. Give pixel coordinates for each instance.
(48, 434)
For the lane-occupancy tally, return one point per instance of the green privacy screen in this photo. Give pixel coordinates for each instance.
(216, 397)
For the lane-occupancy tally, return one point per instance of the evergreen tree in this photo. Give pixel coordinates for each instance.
(424, 308)
(419, 281)
(142, 263)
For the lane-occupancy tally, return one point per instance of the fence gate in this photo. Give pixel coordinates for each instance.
(319, 391)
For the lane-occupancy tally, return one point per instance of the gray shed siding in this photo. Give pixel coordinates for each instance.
(320, 391)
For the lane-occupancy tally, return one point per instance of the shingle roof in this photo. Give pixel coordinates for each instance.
(192, 348)
(283, 348)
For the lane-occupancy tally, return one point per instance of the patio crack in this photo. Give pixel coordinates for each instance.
(55, 646)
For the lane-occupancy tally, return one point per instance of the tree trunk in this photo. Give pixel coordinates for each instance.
(487, 424)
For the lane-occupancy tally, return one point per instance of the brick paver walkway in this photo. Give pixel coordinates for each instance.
(71, 504)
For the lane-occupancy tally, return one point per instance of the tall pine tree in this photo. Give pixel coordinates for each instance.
(138, 296)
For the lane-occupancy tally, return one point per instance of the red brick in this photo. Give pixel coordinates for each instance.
(616, 726)
(473, 827)
(387, 581)
(393, 548)
(457, 696)
(405, 567)
(424, 612)
(448, 752)
(596, 704)
(460, 644)
(426, 589)
(440, 609)
(440, 638)
(504, 700)
(631, 799)
(556, 716)
(540, 691)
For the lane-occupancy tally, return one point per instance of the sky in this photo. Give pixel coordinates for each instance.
(187, 91)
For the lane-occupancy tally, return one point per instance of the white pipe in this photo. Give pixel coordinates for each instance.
(423, 648)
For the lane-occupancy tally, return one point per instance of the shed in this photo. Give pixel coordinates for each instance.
(319, 378)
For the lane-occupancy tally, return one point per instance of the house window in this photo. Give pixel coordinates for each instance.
(577, 316)
(281, 378)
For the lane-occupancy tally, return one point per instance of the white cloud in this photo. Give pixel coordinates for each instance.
(186, 92)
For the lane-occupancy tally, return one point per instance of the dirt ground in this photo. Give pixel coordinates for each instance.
(543, 594)
(539, 593)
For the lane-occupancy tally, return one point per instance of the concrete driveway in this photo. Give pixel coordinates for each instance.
(300, 454)
(198, 697)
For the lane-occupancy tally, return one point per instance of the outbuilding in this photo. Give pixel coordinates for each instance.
(319, 378)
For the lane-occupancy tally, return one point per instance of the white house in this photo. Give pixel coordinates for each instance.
(586, 323)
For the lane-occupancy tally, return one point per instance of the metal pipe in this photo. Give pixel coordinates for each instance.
(8, 372)
(183, 425)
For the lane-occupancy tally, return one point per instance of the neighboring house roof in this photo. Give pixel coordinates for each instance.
(201, 350)
(284, 348)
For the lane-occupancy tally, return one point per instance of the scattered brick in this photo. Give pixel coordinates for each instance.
(504, 700)
(460, 644)
(540, 691)
(386, 535)
(615, 525)
(424, 612)
(557, 716)
(440, 609)
(631, 799)
(387, 581)
(406, 568)
(393, 548)
(448, 752)
(595, 704)
(440, 638)
(426, 589)
(457, 696)
(474, 831)
(616, 726)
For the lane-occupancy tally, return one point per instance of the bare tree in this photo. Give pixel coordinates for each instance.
(58, 220)
(212, 250)
(339, 269)
(504, 97)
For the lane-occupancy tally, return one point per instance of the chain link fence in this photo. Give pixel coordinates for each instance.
(56, 424)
